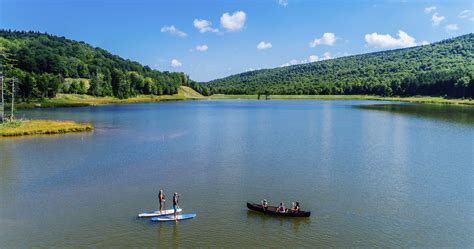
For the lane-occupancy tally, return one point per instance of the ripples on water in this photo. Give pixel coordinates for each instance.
(376, 175)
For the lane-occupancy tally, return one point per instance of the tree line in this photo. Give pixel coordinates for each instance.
(444, 68)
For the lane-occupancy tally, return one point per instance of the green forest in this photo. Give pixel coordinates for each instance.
(443, 68)
(45, 65)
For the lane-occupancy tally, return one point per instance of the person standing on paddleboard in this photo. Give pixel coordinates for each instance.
(175, 204)
(161, 197)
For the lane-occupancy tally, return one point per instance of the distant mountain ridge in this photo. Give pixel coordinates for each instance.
(438, 69)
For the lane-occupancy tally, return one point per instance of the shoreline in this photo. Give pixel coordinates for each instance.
(415, 99)
(78, 100)
(81, 100)
(42, 127)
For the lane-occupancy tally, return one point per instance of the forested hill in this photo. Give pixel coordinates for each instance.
(444, 68)
(46, 65)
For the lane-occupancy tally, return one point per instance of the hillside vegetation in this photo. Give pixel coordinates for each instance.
(75, 100)
(46, 65)
(444, 68)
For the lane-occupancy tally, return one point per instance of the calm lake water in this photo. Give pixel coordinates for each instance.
(386, 175)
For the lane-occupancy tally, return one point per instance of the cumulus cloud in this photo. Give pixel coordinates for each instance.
(283, 3)
(290, 63)
(387, 41)
(234, 22)
(202, 48)
(173, 30)
(313, 58)
(451, 28)
(430, 9)
(436, 19)
(327, 39)
(326, 56)
(424, 43)
(310, 59)
(204, 26)
(175, 63)
(264, 45)
(464, 14)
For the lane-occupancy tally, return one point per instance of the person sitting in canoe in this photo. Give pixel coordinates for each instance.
(281, 208)
(296, 208)
(264, 205)
(175, 204)
(161, 197)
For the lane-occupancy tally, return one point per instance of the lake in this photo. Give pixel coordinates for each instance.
(373, 174)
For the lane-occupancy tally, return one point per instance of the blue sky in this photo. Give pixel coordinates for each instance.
(176, 35)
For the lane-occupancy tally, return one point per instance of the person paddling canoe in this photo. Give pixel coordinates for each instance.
(175, 204)
(161, 197)
(264, 205)
(281, 208)
(296, 207)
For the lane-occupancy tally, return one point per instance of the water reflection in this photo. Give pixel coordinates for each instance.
(448, 113)
(267, 221)
(168, 232)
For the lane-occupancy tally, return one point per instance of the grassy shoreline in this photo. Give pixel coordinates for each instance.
(186, 93)
(39, 127)
(417, 99)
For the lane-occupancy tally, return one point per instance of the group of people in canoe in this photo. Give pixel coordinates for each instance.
(281, 208)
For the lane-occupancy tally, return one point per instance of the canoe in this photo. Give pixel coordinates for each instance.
(172, 218)
(158, 213)
(272, 211)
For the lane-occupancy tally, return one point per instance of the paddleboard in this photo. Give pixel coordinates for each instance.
(158, 213)
(171, 217)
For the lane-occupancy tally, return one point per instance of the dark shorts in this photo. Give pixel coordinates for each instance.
(175, 208)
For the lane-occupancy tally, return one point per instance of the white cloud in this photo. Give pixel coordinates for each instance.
(204, 26)
(451, 27)
(313, 58)
(175, 63)
(264, 45)
(327, 39)
(464, 14)
(310, 59)
(202, 48)
(173, 30)
(326, 56)
(234, 22)
(424, 43)
(283, 3)
(387, 41)
(436, 19)
(290, 63)
(430, 9)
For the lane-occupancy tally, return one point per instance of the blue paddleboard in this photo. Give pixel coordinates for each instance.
(171, 217)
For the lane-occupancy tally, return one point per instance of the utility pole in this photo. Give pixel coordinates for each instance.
(2, 104)
(13, 96)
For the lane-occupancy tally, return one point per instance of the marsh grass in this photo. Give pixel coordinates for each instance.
(34, 127)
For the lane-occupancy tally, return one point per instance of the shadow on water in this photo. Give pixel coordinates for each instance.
(447, 113)
(267, 221)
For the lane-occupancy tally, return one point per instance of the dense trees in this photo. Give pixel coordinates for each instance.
(46, 65)
(443, 69)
